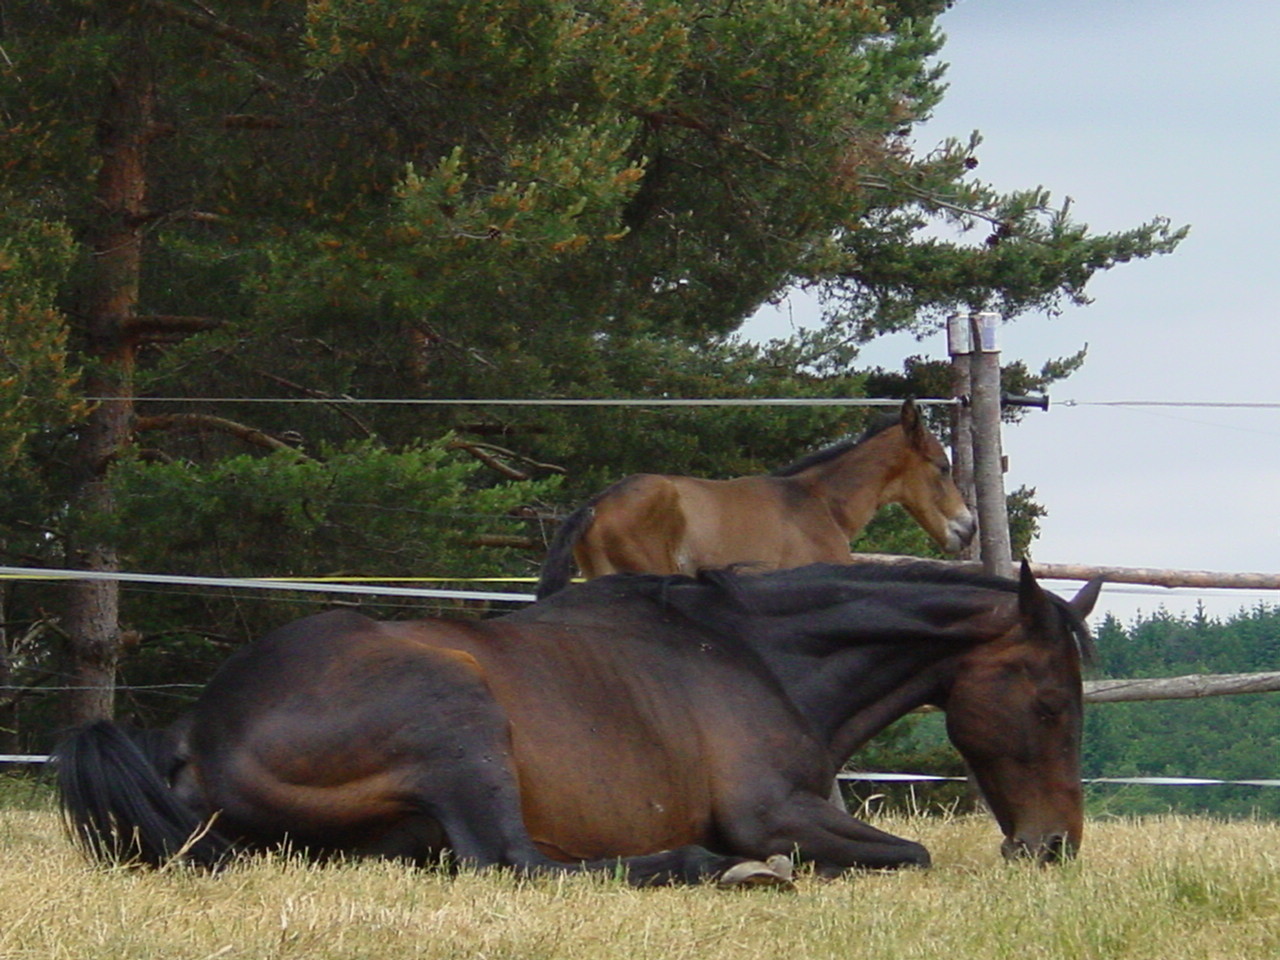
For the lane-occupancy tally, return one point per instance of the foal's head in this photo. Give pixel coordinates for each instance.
(921, 481)
(1014, 711)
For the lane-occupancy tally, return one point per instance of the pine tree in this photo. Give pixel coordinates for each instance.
(425, 199)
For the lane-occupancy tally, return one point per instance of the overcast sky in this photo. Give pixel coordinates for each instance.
(1137, 109)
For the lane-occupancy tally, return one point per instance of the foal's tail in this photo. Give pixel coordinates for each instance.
(557, 569)
(117, 804)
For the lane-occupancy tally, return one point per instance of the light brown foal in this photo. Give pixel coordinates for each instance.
(805, 513)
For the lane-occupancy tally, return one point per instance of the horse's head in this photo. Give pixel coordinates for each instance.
(923, 485)
(1014, 711)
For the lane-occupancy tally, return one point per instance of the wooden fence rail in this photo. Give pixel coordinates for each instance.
(1145, 576)
(1180, 688)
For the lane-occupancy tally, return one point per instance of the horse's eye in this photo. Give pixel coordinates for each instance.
(1049, 706)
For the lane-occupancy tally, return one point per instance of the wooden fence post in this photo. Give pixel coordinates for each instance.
(988, 458)
(959, 347)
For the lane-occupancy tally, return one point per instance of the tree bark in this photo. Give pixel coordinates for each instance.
(91, 615)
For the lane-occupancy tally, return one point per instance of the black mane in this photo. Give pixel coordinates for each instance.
(812, 587)
(838, 449)
(714, 598)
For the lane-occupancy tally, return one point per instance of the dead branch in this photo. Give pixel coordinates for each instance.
(490, 461)
(505, 540)
(336, 406)
(249, 121)
(492, 429)
(199, 422)
(154, 326)
(205, 23)
(510, 455)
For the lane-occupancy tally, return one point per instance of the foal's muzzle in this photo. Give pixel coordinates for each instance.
(960, 531)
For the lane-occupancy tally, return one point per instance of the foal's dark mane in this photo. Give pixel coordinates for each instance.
(838, 449)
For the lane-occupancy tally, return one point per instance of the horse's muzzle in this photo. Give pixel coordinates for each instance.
(1054, 848)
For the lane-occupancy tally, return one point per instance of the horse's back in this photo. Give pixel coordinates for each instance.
(657, 523)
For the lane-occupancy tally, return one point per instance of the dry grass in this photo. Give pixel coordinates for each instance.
(1162, 888)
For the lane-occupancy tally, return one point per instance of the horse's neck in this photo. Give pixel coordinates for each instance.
(853, 695)
(852, 485)
(873, 714)
(869, 664)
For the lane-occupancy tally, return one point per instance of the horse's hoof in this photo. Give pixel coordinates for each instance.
(781, 865)
(775, 872)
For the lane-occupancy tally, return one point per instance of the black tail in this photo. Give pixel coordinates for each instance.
(557, 569)
(117, 804)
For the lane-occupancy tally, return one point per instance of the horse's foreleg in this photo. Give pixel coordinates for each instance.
(810, 827)
(492, 833)
(476, 801)
(485, 828)
(691, 865)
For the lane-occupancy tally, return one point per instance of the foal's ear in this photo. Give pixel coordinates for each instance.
(1082, 603)
(1034, 605)
(909, 417)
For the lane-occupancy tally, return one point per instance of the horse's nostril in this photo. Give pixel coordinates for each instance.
(1058, 848)
(1014, 848)
(1054, 849)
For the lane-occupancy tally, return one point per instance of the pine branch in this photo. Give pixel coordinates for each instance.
(929, 197)
(29, 688)
(679, 118)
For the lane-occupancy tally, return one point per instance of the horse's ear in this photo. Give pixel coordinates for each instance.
(1034, 605)
(909, 417)
(1082, 603)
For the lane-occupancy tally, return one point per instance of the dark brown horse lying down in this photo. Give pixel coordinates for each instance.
(669, 728)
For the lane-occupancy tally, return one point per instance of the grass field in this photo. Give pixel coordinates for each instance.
(1160, 888)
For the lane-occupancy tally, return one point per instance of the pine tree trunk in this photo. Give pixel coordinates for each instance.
(8, 697)
(91, 615)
